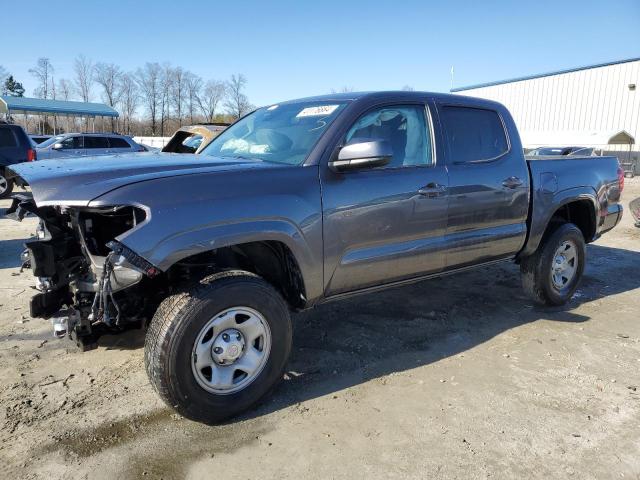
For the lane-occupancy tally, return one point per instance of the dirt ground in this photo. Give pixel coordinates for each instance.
(453, 378)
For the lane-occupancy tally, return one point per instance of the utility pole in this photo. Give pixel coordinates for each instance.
(452, 72)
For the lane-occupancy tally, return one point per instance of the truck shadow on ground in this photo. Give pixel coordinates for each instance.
(342, 344)
(10, 252)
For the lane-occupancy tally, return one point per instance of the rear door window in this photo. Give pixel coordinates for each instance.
(117, 142)
(7, 138)
(473, 134)
(96, 142)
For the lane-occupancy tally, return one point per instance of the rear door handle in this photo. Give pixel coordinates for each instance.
(432, 190)
(512, 182)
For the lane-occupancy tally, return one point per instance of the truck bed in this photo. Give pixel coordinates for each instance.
(555, 180)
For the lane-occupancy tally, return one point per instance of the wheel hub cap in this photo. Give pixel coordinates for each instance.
(227, 347)
(565, 264)
(231, 350)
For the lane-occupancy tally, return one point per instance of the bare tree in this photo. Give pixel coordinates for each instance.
(64, 89)
(343, 89)
(194, 87)
(148, 79)
(83, 68)
(237, 103)
(129, 98)
(179, 90)
(166, 82)
(108, 76)
(213, 92)
(3, 76)
(43, 72)
(408, 88)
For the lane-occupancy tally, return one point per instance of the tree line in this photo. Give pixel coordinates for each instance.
(155, 99)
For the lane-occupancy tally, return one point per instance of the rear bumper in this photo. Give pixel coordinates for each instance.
(611, 218)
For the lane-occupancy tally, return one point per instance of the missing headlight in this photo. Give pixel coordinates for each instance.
(102, 225)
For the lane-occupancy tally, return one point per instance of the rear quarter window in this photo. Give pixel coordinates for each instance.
(473, 134)
(7, 138)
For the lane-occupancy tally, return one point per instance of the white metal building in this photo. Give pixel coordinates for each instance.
(593, 106)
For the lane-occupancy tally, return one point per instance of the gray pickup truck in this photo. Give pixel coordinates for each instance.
(295, 204)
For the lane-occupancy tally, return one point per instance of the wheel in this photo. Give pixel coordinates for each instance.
(551, 275)
(6, 185)
(213, 351)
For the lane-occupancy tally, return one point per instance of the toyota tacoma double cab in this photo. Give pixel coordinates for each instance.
(298, 203)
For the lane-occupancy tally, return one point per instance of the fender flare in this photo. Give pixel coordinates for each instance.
(167, 251)
(546, 204)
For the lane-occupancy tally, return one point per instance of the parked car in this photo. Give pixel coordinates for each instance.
(38, 139)
(84, 144)
(562, 151)
(193, 139)
(15, 147)
(297, 204)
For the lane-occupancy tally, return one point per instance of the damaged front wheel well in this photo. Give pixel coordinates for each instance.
(272, 260)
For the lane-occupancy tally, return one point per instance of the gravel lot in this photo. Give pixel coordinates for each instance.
(453, 378)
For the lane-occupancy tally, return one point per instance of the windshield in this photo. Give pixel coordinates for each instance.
(279, 133)
(50, 141)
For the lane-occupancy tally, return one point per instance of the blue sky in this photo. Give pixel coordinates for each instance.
(292, 49)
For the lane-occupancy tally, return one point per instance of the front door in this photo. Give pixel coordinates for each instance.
(71, 147)
(385, 224)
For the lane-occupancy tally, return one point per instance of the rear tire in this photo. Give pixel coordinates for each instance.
(184, 335)
(6, 185)
(551, 275)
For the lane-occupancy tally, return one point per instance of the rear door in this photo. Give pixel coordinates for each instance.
(10, 150)
(95, 145)
(488, 185)
(386, 224)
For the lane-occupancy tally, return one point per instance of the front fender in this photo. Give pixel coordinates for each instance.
(193, 214)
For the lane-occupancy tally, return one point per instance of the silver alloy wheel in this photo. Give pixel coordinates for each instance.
(3, 184)
(231, 350)
(565, 264)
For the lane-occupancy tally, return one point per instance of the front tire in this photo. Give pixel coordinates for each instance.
(214, 350)
(552, 274)
(6, 185)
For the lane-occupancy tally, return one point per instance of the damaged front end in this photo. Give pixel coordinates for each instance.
(89, 283)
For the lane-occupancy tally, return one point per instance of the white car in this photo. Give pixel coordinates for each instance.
(86, 144)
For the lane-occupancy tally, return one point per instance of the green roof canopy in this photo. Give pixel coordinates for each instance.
(58, 107)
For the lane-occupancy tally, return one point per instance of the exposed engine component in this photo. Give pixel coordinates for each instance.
(80, 269)
(64, 321)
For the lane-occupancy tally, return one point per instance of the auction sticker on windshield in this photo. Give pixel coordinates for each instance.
(317, 111)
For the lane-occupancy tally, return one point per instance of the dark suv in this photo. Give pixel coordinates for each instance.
(15, 147)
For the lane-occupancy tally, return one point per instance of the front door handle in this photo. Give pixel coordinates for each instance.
(432, 190)
(512, 182)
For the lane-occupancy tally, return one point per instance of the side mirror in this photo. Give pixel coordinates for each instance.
(56, 146)
(362, 153)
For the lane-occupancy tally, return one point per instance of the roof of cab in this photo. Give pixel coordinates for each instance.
(392, 95)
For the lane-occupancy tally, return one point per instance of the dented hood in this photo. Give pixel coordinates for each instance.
(77, 181)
